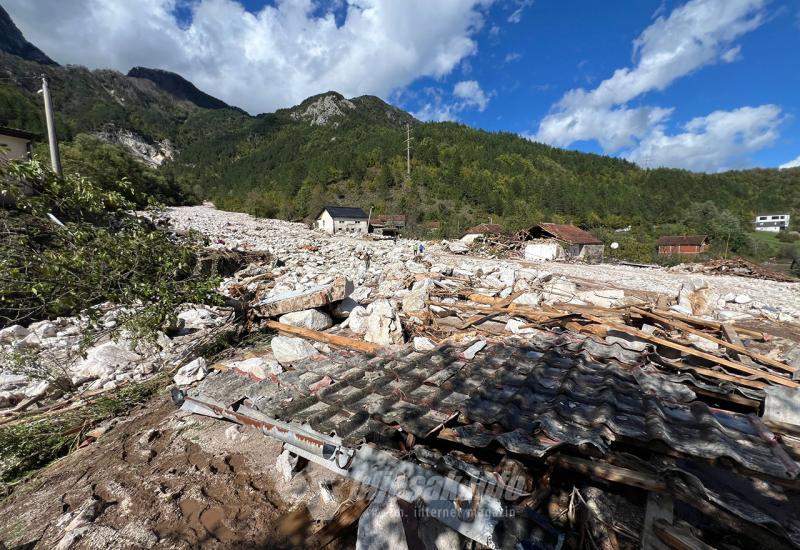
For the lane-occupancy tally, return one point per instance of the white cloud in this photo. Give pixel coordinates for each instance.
(791, 164)
(512, 56)
(697, 34)
(521, 6)
(265, 60)
(471, 94)
(467, 94)
(718, 141)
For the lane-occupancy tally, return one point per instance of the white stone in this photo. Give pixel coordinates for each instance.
(357, 321)
(742, 299)
(528, 299)
(473, 350)
(381, 526)
(44, 329)
(514, 326)
(423, 344)
(287, 349)
(603, 298)
(309, 318)
(344, 308)
(259, 367)
(383, 324)
(191, 372)
(104, 361)
(728, 315)
(415, 267)
(458, 247)
(360, 294)
(415, 300)
(683, 310)
(286, 463)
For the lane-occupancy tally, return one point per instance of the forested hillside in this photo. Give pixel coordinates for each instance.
(330, 149)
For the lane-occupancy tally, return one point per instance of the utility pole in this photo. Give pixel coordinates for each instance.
(408, 150)
(55, 157)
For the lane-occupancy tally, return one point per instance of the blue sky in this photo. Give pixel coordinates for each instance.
(698, 84)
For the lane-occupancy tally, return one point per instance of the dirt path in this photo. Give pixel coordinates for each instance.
(160, 478)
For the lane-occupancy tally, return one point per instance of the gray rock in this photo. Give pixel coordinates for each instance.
(381, 526)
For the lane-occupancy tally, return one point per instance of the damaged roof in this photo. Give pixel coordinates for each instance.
(529, 399)
(568, 233)
(484, 228)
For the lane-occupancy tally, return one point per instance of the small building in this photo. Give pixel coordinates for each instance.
(556, 239)
(342, 219)
(388, 225)
(481, 230)
(685, 245)
(772, 222)
(15, 144)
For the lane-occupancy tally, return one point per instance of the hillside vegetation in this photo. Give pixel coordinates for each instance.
(329, 149)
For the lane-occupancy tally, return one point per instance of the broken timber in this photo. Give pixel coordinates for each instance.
(735, 346)
(332, 339)
(739, 367)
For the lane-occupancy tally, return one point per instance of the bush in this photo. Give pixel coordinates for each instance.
(100, 253)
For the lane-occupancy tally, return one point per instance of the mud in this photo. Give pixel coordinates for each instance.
(161, 479)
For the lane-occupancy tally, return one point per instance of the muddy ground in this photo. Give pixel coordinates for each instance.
(162, 478)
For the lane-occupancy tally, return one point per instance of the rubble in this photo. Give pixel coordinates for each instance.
(557, 403)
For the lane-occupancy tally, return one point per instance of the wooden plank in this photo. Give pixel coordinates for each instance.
(730, 335)
(677, 538)
(733, 365)
(608, 472)
(707, 324)
(332, 339)
(736, 346)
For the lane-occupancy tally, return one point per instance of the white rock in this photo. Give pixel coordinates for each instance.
(309, 318)
(415, 300)
(415, 267)
(423, 344)
(360, 294)
(742, 299)
(381, 526)
(702, 344)
(30, 342)
(259, 367)
(12, 334)
(104, 361)
(357, 321)
(286, 463)
(458, 247)
(683, 310)
(728, 315)
(287, 349)
(473, 350)
(383, 324)
(44, 329)
(528, 299)
(191, 372)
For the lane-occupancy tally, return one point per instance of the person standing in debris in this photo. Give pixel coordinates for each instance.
(367, 259)
(421, 249)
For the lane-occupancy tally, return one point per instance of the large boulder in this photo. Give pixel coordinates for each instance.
(308, 318)
(257, 367)
(383, 324)
(288, 350)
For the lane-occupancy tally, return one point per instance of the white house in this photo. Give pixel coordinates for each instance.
(772, 222)
(15, 144)
(342, 219)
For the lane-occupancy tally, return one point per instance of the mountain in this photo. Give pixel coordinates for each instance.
(178, 87)
(351, 151)
(12, 41)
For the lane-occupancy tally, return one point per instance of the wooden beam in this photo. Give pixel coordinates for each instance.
(608, 472)
(736, 345)
(707, 324)
(733, 365)
(338, 524)
(332, 339)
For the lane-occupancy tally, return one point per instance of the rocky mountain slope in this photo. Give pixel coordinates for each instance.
(12, 41)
